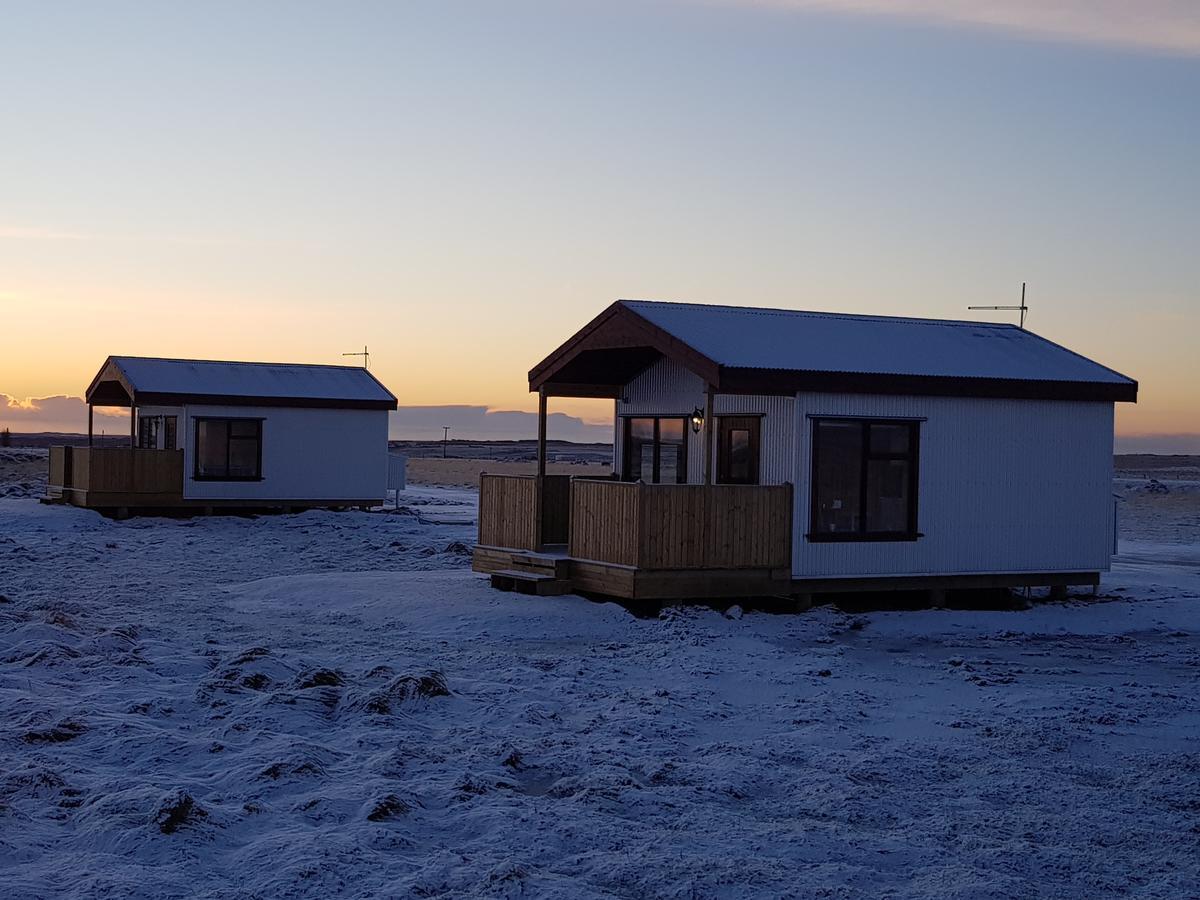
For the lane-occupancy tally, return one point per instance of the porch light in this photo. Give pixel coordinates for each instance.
(697, 420)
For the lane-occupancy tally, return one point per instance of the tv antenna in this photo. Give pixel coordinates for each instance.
(364, 354)
(1023, 308)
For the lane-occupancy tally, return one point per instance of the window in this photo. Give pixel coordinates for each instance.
(147, 432)
(169, 427)
(864, 480)
(655, 450)
(228, 449)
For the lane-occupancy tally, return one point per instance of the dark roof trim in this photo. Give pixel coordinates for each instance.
(153, 398)
(788, 382)
(619, 327)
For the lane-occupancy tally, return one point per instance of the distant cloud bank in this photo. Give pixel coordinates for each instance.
(1171, 26)
(424, 423)
(61, 413)
(416, 423)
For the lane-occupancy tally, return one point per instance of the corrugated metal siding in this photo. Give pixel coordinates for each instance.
(1005, 486)
(669, 389)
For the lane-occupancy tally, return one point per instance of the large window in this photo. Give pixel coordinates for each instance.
(655, 450)
(864, 481)
(228, 449)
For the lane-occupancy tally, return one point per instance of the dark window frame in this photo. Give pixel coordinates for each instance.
(229, 438)
(681, 476)
(170, 433)
(912, 456)
(724, 450)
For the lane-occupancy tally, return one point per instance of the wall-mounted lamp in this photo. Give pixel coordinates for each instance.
(697, 420)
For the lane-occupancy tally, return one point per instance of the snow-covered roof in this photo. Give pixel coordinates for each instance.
(153, 380)
(778, 351)
(747, 337)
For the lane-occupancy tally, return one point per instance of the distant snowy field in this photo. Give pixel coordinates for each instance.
(331, 704)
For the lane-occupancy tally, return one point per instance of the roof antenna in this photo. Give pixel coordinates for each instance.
(1023, 308)
(367, 356)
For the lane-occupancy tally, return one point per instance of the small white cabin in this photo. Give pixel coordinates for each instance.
(232, 434)
(763, 451)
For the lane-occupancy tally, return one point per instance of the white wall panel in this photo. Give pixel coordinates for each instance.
(307, 454)
(1005, 486)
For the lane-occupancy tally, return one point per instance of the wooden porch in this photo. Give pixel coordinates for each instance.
(555, 534)
(115, 477)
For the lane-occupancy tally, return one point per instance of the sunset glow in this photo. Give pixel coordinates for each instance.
(461, 188)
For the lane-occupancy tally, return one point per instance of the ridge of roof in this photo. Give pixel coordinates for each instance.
(237, 362)
(819, 314)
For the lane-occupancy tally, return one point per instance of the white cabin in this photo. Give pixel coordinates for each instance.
(232, 434)
(915, 453)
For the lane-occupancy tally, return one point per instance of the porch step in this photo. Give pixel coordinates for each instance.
(541, 564)
(525, 582)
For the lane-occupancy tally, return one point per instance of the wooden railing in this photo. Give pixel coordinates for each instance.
(525, 512)
(684, 526)
(116, 471)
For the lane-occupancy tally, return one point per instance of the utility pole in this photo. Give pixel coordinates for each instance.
(445, 438)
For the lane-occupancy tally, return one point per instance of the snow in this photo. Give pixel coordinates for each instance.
(213, 378)
(333, 704)
(832, 342)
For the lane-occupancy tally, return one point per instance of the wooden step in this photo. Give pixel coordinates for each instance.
(556, 566)
(525, 582)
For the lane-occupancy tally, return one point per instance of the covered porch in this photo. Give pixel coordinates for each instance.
(118, 478)
(693, 538)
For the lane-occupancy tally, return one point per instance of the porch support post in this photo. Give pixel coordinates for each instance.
(90, 410)
(709, 427)
(541, 437)
(132, 425)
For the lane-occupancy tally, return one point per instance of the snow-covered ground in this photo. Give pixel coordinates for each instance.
(332, 704)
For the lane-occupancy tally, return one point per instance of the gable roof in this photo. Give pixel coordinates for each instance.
(752, 350)
(141, 380)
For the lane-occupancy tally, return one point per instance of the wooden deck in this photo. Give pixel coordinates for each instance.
(115, 477)
(638, 541)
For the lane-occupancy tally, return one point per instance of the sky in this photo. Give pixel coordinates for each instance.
(462, 185)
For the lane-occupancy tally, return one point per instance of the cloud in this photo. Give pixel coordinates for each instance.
(424, 423)
(61, 413)
(1171, 26)
(69, 415)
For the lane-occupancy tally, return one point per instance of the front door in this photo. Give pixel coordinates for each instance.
(738, 449)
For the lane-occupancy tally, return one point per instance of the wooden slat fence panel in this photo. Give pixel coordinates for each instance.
(122, 470)
(58, 467)
(81, 468)
(508, 511)
(720, 526)
(604, 521)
